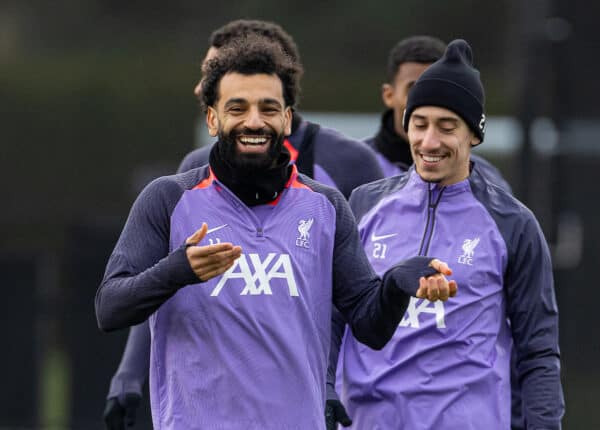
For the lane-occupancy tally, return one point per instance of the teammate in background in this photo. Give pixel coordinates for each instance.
(448, 364)
(226, 326)
(315, 151)
(407, 60)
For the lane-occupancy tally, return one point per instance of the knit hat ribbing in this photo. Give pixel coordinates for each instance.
(452, 83)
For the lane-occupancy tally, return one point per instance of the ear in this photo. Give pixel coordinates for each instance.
(287, 128)
(387, 95)
(212, 122)
(475, 140)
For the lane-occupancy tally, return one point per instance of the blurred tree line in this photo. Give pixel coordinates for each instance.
(96, 100)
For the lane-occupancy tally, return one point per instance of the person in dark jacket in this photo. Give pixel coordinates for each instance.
(448, 364)
(319, 152)
(228, 304)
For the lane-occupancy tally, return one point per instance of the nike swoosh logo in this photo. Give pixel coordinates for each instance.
(216, 228)
(375, 238)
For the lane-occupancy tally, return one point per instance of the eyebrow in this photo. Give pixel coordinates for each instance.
(441, 119)
(268, 101)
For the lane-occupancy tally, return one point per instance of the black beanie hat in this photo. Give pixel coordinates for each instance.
(452, 83)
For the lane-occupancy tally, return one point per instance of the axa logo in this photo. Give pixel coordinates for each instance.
(304, 226)
(416, 307)
(468, 248)
(258, 273)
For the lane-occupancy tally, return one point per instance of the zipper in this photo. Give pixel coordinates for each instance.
(240, 206)
(432, 204)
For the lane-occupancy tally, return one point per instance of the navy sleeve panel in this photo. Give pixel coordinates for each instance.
(350, 163)
(196, 158)
(531, 305)
(490, 172)
(365, 197)
(141, 274)
(338, 325)
(372, 307)
(135, 364)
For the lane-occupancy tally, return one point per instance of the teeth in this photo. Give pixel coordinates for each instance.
(253, 140)
(431, 159)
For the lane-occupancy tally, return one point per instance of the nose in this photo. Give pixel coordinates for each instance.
(254, 120)
(430, 140)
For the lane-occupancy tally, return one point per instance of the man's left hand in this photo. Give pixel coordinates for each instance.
(437, 287)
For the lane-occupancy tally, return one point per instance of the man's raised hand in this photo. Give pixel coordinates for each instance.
(437, 287)
(209, 261)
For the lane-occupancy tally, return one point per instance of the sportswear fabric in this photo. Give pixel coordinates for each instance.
(448, 363)
(252, 341)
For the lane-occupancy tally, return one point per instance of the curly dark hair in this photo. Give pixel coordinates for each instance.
(252, 55)
(244, 27)
(415, 49)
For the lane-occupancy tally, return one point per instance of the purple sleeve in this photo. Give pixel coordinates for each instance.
(133, 369)
(141, 273)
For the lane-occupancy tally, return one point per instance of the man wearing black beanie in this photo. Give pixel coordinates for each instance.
(448, 364)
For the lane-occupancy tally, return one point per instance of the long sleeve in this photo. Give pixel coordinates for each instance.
(338, 326)
(372, 306)
(141, 273)
(135, 363)
(533, 314)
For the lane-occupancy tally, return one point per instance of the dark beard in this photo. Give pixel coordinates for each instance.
(250, 162)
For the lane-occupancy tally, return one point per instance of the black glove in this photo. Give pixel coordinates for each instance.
(335, 412)
(119, 416)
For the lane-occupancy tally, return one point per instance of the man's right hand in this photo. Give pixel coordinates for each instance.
(119, 416)
(210, 260)
(335, 413)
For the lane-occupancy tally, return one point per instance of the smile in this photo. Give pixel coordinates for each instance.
(431, 158)
(247, 140)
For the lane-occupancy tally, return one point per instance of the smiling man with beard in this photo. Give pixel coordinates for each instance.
(249, 157)
(319, 152)
(241, 339)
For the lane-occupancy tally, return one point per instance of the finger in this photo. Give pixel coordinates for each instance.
(422, 291)
(203, 266)
(440, 266)
(208, 250)
(198, 235)
(216, 272)
(197, 259)
(432, 289)
(453, 287)
(443, 289)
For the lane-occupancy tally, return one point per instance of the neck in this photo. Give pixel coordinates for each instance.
(252, 186)
(390, 144)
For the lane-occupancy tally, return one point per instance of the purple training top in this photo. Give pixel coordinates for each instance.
(247, 349)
